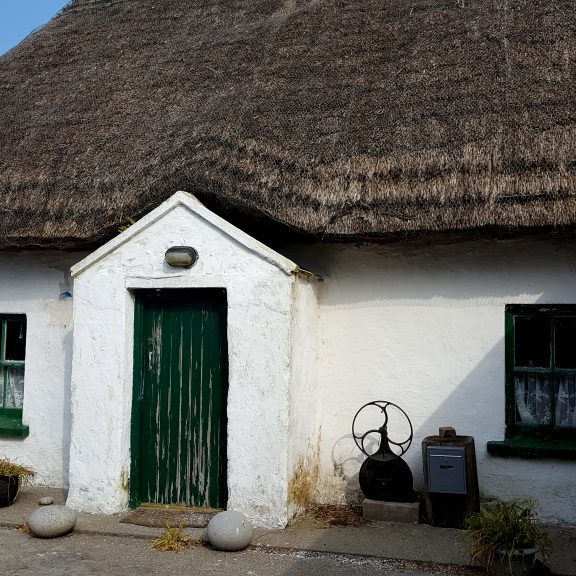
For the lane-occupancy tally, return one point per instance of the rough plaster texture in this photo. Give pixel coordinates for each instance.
(424, 328)
(32, 283)
(304, 448)
(260, 286)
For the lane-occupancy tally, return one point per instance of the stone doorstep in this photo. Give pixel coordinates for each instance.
(378, 511)
(160, 516)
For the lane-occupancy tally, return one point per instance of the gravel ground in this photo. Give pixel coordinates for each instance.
(92, 555)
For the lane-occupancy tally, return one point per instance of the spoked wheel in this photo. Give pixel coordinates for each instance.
(384, 475)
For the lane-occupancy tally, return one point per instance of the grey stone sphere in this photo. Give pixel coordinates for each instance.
(52, 521)
(229, 531)
(46, 501)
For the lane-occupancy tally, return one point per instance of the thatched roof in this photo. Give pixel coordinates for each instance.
(343, 119)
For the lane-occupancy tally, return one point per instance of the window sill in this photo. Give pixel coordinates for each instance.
(533, 447)
(12, 426)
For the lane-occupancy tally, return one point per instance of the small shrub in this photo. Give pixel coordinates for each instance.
(506, 528)
(172, 539)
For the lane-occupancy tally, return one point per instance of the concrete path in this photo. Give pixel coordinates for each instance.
(383, 548)
(94, 555)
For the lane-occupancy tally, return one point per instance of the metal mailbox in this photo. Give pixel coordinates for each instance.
(451, 491)
(446, 469)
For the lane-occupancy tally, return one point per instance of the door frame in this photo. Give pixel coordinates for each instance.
(138, 363)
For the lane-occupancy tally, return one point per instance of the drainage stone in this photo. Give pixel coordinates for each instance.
(52, 521)
(229, 531)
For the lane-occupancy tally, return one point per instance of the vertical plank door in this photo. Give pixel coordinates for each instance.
(180, 390)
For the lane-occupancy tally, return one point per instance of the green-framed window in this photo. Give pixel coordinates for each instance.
(541, 372)
(12, 366)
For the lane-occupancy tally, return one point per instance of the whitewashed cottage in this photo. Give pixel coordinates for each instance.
(377, 200)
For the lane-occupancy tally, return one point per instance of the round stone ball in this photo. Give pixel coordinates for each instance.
(229, 531)
(46, 501)
(52, 521)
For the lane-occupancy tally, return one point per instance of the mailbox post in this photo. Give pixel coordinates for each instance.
(450, 478)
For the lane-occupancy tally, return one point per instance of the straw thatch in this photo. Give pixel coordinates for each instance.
(342, 119)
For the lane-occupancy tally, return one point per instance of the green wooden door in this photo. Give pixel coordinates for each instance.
(179, 398)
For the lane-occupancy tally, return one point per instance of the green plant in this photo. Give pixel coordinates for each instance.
(171, 539)
(10, 468)
(125, 227)
(506, 529)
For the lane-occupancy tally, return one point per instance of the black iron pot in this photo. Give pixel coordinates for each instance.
(8, 490)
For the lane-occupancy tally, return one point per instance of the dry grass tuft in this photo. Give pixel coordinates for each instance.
(23, 528)
(11, 468)
(172, 539)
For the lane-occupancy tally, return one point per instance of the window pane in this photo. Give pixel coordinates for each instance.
(532, 342)
(15, 391)
(533, 398)
(15, 339)
(565, 342)
(566, 402)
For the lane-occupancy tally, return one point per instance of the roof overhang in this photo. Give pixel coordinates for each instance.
(191, 203)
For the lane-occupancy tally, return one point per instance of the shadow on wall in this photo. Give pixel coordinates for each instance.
(458, 273)
(425, 330)
(475, 407)
(345, 468)
(67, 406)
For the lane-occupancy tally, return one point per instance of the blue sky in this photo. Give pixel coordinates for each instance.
(19, 17)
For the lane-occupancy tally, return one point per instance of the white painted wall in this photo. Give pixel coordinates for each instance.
(259, 288)
(424, 328)
(31, 283)
(304, 440)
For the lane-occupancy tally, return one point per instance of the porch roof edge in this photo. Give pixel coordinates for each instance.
(189, 201)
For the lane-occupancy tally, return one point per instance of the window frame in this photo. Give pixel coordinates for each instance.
(10, 418)
(517, 430)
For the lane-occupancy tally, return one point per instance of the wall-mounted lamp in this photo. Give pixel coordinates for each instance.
(181, 256)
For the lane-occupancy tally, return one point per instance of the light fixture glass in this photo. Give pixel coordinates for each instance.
(181, 256)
